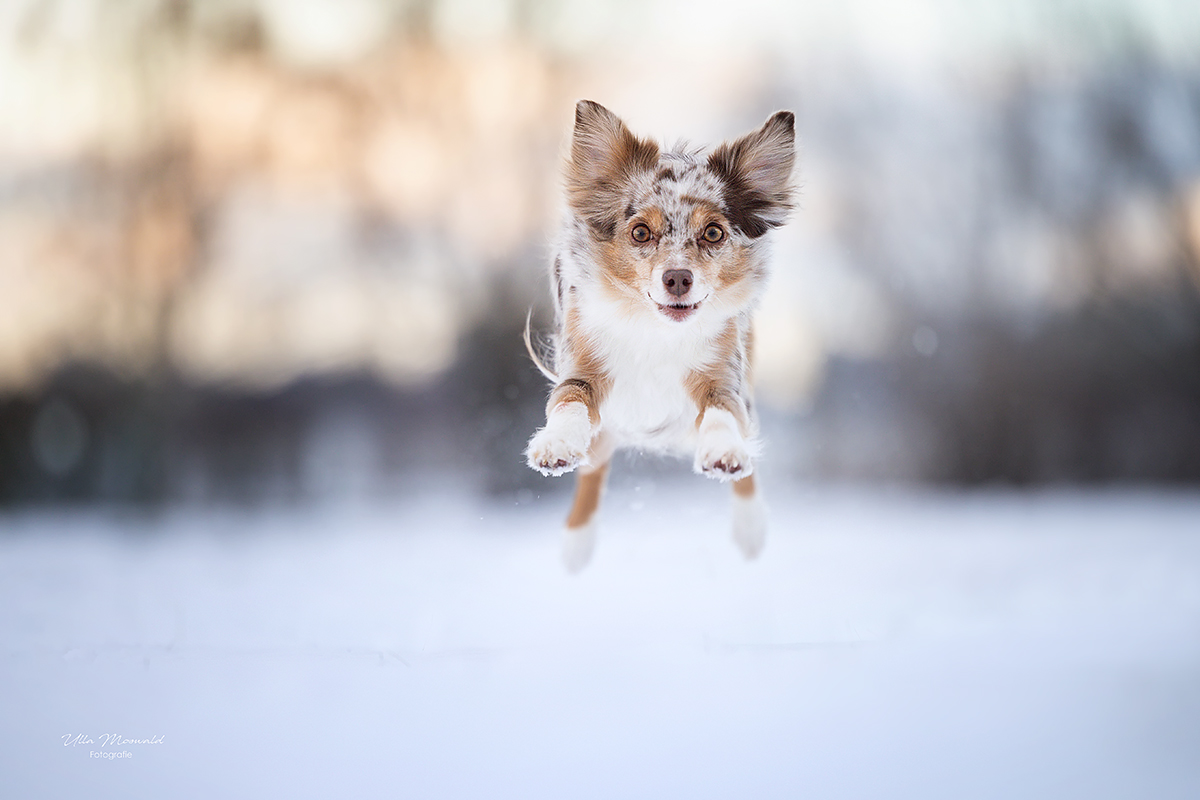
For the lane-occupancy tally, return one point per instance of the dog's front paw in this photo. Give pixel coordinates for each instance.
(722, 453)
(725, 465)
(562, 445)
(553, 452)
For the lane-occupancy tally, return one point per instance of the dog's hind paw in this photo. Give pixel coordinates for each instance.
(577, 546)
(562, 445)
(749, 525)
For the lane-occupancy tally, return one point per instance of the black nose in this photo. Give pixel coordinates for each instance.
(678, 281)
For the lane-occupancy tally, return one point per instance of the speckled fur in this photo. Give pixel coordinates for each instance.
(650, 376)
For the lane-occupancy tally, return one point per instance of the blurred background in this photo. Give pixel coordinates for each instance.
(264, 266)
(256, 250)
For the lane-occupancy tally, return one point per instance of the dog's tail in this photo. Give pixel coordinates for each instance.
(537, 360)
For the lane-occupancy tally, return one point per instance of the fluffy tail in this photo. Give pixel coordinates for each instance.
(537, 361)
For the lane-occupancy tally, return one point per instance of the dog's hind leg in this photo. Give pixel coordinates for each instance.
(579, 537)
(749, 517)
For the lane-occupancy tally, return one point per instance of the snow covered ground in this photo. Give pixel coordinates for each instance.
(887, 644)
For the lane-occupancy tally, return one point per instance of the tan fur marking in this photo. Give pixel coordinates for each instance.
(744, 487)
(654, 217)
(720, 385)
(575, 390)
(588, 381)
(735, 267)
(703, 212)
(616, 260)
(588, 488)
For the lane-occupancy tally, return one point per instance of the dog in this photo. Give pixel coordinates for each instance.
(660, 263)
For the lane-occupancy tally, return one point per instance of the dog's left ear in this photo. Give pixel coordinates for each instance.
(756, 171)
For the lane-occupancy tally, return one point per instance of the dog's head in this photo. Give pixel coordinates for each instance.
(678, 234)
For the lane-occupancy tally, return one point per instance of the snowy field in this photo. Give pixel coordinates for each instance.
(885, 645)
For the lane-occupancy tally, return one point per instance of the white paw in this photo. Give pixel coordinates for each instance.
(749, 525)
(577, 546)
(562, 445)
(721, 452)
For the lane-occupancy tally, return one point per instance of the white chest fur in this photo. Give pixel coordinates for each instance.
(647, 404)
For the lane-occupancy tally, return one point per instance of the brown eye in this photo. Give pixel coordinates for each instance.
(641, 234)
(713, 234)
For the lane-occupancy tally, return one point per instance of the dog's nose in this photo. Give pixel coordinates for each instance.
(678, 281)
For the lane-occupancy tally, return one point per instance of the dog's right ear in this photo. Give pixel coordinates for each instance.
(604, 155)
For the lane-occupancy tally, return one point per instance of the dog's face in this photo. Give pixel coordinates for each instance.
(677, 235)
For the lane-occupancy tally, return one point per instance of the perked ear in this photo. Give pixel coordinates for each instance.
(757, 173)
(604, 154)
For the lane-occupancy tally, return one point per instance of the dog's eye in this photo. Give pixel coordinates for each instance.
(641, 234)
(714, 233)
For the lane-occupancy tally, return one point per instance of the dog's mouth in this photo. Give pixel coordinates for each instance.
(677, 311)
